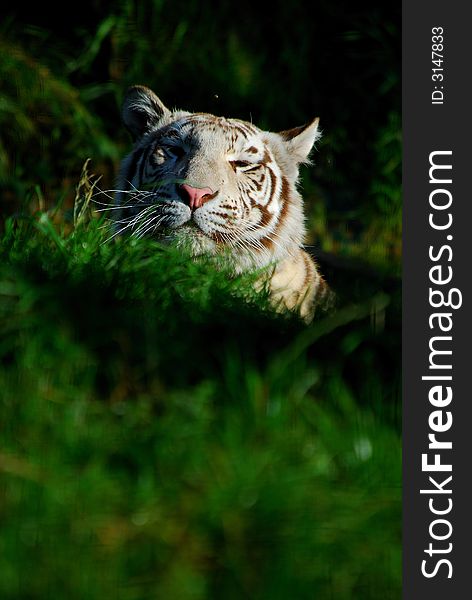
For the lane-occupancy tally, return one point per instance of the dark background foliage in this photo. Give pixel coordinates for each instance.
(64, 72)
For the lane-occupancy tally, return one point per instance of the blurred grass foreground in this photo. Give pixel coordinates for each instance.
(164, 433)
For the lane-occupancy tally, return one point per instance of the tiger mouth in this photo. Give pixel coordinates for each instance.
(194, 232)
(177, 216)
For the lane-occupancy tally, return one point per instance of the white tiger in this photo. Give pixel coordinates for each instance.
(221, 185)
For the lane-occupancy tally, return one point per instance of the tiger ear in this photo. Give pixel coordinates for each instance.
(300, 140)
(141, 110)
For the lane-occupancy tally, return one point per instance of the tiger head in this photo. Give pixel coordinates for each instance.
(212, 183)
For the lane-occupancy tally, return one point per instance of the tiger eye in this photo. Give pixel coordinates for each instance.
(239, 164)
(176, 151)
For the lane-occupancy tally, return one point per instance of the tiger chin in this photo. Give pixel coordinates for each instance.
(221, 186)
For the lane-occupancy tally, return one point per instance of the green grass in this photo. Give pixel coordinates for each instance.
(165, 435)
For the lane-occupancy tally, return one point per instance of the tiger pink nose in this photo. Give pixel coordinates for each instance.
(196, 197)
